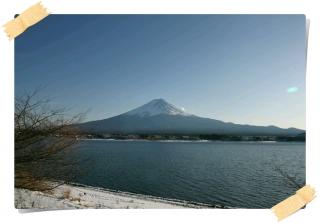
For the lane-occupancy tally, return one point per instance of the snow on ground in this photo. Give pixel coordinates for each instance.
(74, 197)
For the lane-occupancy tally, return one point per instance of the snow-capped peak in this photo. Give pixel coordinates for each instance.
(157, 107)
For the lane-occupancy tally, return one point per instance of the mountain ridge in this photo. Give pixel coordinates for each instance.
(160, 117)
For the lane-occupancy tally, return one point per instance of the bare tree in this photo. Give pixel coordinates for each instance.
(42, 134)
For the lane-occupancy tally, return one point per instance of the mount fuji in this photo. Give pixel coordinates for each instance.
(160, 117)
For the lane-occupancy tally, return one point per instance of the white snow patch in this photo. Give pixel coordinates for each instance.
(74, 197)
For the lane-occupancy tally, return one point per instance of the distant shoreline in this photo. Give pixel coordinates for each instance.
(184, 141)
(144, 140)
(191, 137)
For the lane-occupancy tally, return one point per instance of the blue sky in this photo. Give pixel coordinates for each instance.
(247, 69)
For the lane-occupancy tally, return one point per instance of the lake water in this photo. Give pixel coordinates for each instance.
(235, 174)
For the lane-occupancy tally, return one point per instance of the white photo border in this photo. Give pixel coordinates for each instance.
(308, 7)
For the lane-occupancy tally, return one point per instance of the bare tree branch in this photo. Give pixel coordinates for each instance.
(41, 134)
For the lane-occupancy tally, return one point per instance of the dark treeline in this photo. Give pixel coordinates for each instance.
(193, 137)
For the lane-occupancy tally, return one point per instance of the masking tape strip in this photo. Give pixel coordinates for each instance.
(26, 19)
(294, 203)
